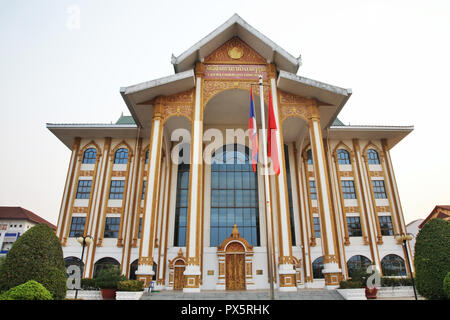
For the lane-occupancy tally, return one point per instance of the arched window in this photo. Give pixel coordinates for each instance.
(372, 157)
(234, 195)
(121, 156)
(104, 263)
(309, 159)
(90, 155)
(343, 156)
(317, 266)
(357, 263)
(69, 261)
(133, 269)
(393, 265)
(181, 205)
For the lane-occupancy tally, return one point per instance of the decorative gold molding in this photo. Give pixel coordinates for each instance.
(383, 209)
(113, 210)
(80, 210)
(352, 209)
(376, 173)
(86, 173)
(235, 51)
(119, 174)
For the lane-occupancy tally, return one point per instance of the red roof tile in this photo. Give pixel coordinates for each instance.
(21, 213)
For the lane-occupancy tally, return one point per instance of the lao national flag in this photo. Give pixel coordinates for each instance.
(252, 131)
(272, 151)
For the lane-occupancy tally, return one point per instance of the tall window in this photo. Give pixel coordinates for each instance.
(146, 157)
(90, 155)
(234, 195)
(312, 189)
(121, 156)
(354, 227)
(289, 186)
(77, 226)
(343, 156)
(309, 159)
(386, 226)
(181, 206)
(316, 222)
(140, 227)
(112, 227)
(348, 189)
(83, 189)
(372, 157)
(144, 185)
(317, 266)
(116, 189)
(357, 263)
(379, 189)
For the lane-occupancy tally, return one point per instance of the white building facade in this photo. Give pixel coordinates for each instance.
(169, 193)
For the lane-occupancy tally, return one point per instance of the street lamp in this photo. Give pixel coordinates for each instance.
(403, 237)
(83, 240)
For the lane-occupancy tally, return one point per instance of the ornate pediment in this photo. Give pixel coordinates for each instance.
(235, 51)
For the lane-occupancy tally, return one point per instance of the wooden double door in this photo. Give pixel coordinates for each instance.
(178, 276)
(235, 271)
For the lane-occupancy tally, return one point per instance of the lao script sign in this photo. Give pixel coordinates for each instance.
(232, 71)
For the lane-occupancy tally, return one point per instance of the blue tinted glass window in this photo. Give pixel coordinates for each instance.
(112, 227)
(77, 226)
(181, 207)
(234, 196)
(83, 189)
(343, 156)
(289, 186)
(90, 155)
(372, 157)
(121, 156)
(116, 189)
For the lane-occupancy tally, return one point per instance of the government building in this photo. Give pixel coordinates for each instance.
(169, 193)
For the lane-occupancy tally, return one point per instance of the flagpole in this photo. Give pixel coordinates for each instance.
(267, 191)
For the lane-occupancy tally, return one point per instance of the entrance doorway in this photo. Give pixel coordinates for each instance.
(235, 267)
(178, 281)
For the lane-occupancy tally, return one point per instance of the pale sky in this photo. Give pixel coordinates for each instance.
(394, 55)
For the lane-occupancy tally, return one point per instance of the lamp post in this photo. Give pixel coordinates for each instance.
(83, 240)
(407, 237)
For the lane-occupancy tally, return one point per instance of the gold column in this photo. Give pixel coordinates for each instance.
(148, 233)
(192, 272)
(332, 272)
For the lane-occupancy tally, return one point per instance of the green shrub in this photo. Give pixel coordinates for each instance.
(36, 255)
(395, 282)
(130, 285)
(30, 290)
(350, 284)
(88, 284)
(432, 258)
(109, 277)
(447, 285)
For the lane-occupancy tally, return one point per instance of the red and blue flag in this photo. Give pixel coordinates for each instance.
(253, 132)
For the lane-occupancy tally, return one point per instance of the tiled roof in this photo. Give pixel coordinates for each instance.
(126, 120)
(21, 213)
(338, 122)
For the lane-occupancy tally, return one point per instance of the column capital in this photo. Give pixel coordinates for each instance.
(199, 69)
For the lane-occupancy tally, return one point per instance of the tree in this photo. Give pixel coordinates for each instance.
(36, 255)
(432, 258)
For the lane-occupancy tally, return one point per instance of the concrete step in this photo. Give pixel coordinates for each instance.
(300, 294)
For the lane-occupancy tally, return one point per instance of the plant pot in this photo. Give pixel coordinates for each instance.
(108, 294)
(371, 293)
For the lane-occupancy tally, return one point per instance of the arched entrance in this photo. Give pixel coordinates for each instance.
(176, 271)
(235, 263)
(235, 267)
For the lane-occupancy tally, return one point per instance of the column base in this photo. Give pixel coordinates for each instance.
(287, 277)
(192, 278)
(333, 275)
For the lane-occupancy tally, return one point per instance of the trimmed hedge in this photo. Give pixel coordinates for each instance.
(88, 284)
(395, 282)
(432, 258)
(130, 285)
(350, 284)
(36, 255)
(30, 290)
(447, 285)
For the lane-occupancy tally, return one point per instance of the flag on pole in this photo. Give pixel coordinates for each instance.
(272, 149)
(253, 132)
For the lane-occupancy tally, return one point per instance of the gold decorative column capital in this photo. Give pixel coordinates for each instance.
(158, 108)
(199, 69)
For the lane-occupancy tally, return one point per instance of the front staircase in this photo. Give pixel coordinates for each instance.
(301, 294)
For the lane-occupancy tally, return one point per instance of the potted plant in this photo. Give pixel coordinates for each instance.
(129, 290)
(107, 280)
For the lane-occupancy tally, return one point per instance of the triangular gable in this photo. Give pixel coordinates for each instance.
(235, 51)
